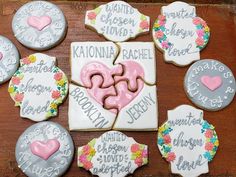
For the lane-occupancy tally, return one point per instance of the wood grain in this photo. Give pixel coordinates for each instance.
(221, 20)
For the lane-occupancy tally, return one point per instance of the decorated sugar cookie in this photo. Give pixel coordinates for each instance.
(44, 149)
(38, 87)
(39, 25)
(9, 59)
(180, 33)
(114, 81)
(187, 141)
(117, 21)
(113, 154)
(210, 84)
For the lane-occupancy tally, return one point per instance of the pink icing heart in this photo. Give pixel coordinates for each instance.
(44, 149)
(211, 83)
(113, 92)
(1, 55)
(39, 22)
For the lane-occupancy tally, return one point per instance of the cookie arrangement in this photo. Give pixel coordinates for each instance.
(113, 86)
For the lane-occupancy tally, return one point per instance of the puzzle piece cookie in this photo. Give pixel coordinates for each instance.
(87, 113)
(38, 87)
(187, 141)
(180, 34)
(90, 58)
(137, 110)
(117, 21)
(113, 154)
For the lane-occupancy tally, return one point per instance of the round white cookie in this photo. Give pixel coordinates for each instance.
(39, 25)
(210, 84)
(44, 149)
(9, 59)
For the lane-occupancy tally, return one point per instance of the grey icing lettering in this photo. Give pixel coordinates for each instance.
(136, 111)
(179, 52)
(113, 137)
(38, 89)
(88, 108)
(136, 54)
(181, 14)
(188, 166)
(189, 120)
(183, 33)
(28, 109)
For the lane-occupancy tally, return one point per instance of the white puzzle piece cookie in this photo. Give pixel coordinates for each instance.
(117, 21)
(113, 154)
(86, 113)
(180, 34)
(38, 87)
(187, 141)
(117, 85)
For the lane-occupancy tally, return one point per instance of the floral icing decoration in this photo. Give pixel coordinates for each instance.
(164, 141)
(144, 24)
(139, 154)
(93, 14)
(203, 32)
(85, 155)
(212, 142)
(57, 95)
(159, 28)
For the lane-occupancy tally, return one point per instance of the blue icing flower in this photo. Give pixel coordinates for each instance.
(206, 125)
(166, 131)
(215, 148)
(160, 141)
(207, 156)
(162, 28)
(213, 140)
(167, 149)
(199, 26)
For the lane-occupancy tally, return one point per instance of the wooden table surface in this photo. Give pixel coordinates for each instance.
(220, 18)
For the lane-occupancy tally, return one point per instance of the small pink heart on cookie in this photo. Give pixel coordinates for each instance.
(1, 56)
(44, 149)
(39, 22)
(211, 83)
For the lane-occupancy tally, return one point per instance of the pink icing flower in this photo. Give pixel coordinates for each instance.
(199, 41)
(138, 162)
(86, 150)
(161, 17)
(167, 139)
(58, 76)
(159, 34)
(196, 21)
(56, 94)
(82, 158)
(170, 156)
(144, 24)
(161, 23)
(92, 15)
(15, 80)
(209, 146)
(209, 133)
(134, 148)
(203, 23)
(26, 61)
(19, 97)
(144, 153)
(87, 165)
(165, 45)
(200, 33)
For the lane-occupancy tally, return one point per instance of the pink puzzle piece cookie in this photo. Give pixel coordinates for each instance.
(124, 95)
(97, 68)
